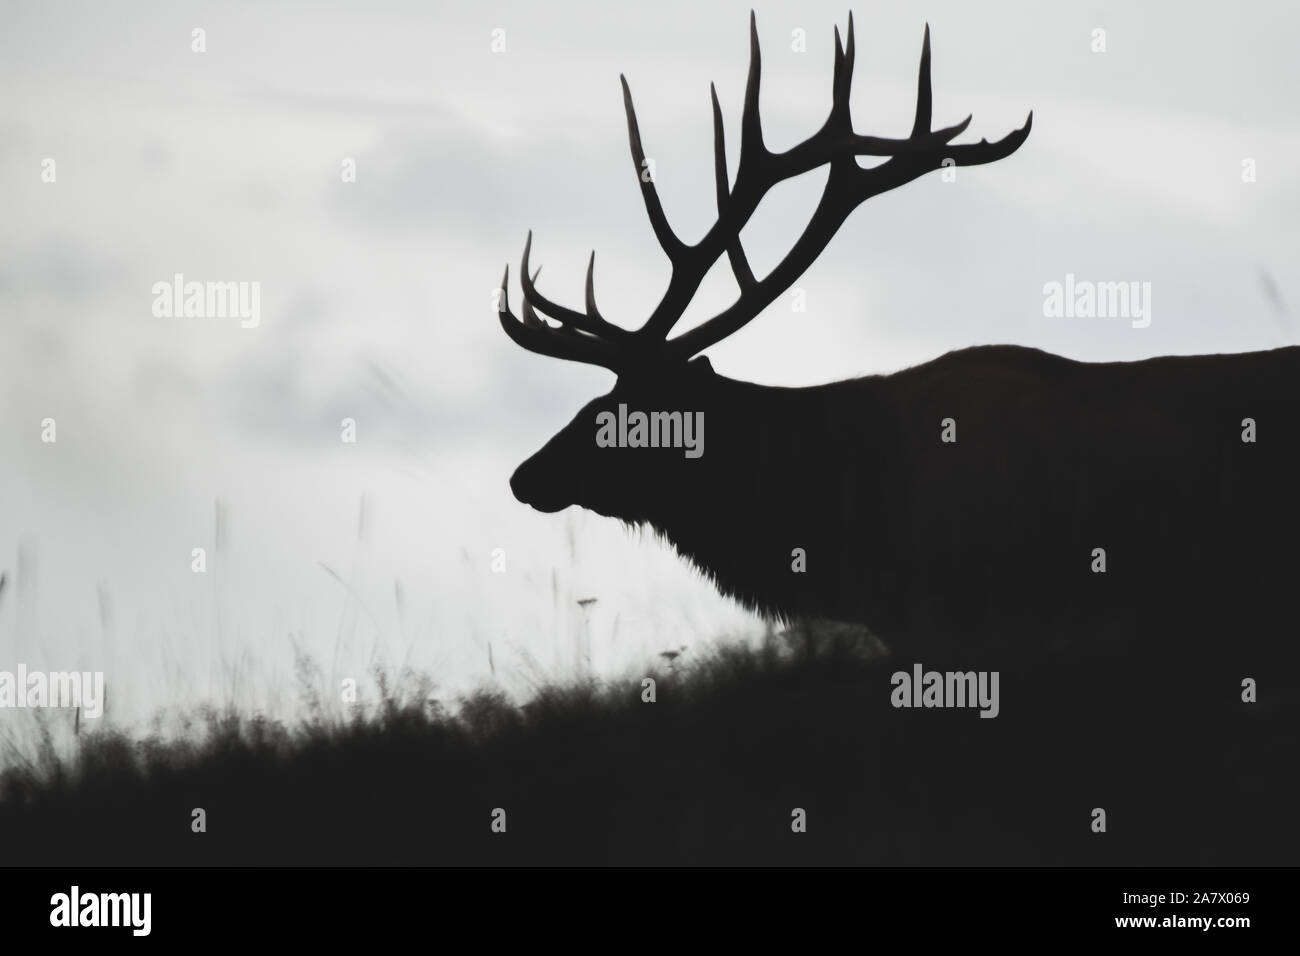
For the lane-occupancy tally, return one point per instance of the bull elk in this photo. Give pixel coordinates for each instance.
(1099, 501)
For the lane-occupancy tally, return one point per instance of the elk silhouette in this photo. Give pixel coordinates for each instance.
(1112, 502)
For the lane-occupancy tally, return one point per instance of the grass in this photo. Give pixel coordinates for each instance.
(589, 773)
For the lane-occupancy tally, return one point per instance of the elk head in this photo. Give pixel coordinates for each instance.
(658, 373)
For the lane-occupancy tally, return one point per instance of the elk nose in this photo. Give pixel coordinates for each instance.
(525, 484)
(529, 487)
(517, 485)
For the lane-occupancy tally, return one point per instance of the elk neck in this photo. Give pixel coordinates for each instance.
(786, 469)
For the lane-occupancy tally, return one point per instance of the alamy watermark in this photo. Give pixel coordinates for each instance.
(76, 908)
(651, 430)
(1085, 299)
(922, 688)
(179, 299)
(24, 688)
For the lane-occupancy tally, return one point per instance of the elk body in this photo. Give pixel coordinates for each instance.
(997, 496)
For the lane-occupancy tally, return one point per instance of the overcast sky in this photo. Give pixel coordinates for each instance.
(376, 295)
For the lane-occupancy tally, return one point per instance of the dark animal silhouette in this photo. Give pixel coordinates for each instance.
(1104, 502)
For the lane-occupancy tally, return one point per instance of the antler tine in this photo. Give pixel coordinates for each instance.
(735, 252)
(592, 311)
(977, 154)
(751, 126)
(672, 246)
(924, 93)
(527, 312)
(591, 322)
(843, 77)
(544, 340)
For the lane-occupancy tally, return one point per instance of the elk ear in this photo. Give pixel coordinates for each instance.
(700, 364)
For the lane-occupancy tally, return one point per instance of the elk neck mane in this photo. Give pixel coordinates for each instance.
(771, 448)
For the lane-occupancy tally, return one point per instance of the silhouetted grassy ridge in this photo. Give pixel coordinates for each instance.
(708, 774)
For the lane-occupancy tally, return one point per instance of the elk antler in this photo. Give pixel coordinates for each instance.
(588, 337)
